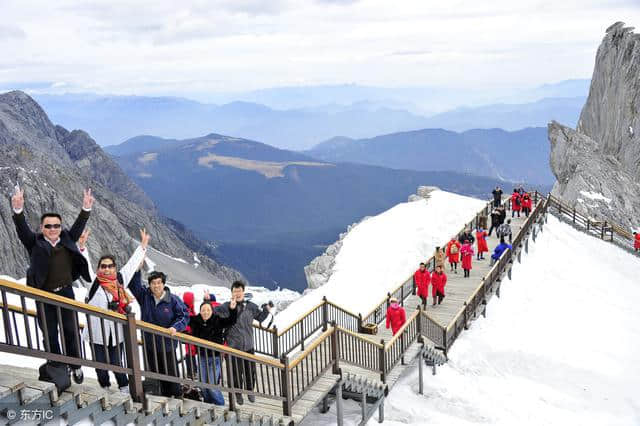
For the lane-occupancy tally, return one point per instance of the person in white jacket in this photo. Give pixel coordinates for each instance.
(107, 291)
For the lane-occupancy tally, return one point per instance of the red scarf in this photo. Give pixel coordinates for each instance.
(110, 283)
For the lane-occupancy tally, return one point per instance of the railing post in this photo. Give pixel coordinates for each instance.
(335, 350)
(419, 324)
(232, 395)
(535, 198)
(286, 387)
(604, 225)
(402, 295)
(588, 223)
(383, 375)
(301, 323)
(276, 349)
(133, 359)
(325, 313)
(444, 340)
(359, 323)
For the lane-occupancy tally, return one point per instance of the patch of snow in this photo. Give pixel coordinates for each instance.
(595, 196)
(380, 253)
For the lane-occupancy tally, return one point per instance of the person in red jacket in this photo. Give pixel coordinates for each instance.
(526, 204)
(467, 256)
(421, 280)
(396, 316)
(636, 243)
(516, 203)
(481, 240)
(438, 281)
(453, 254)
(190, 350)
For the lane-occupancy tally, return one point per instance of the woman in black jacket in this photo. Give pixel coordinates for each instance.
(207, 325)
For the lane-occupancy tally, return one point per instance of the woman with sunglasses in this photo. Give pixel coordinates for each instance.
(108, 292)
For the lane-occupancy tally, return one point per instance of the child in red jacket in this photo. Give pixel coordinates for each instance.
(396, 316)
(438, 281)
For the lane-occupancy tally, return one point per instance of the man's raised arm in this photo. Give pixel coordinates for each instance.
(78, 226)
(26, 235)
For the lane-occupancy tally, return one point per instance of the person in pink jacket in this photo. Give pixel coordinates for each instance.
(396, 316)
(467, 257)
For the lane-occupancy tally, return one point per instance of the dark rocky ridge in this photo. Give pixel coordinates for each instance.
(597, 165)
(53, 166)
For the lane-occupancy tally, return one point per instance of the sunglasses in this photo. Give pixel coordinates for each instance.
(107, 265)
(52, 226)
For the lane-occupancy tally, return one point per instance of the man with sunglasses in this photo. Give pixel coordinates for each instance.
(54, 263)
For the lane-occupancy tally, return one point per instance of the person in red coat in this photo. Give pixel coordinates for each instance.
(453, 253)
(467, 256)
(421, 280)
(526, 204)
(636, 241)
(396, 316)
(438, 281)
(190, 350)
(481, 240)
(516, 203)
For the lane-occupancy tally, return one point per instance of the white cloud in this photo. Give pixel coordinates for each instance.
(157, 47)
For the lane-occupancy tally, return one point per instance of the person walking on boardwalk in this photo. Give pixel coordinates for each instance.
(55, 262)
(421, 280)
(240, 336)
(209, 325)
(396, 315)
(107, 291)
(438, 281)
(526, 204)
(516, 203)
(439, 256)
(636, 241)
(497, 196)
(467, 257)
(504, 230)
(495, 219)
(466, 236)
(160, 307)
(481, 240)
(497, 252)
(453, 254)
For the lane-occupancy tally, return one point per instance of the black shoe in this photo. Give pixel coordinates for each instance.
(252, 398)
(239, 399)
(78, 376)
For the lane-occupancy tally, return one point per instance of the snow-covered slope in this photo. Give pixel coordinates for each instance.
(380, 253)
(560, 347)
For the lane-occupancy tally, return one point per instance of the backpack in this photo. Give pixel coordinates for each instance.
(96, 285)
(518, 201)
(453, 249)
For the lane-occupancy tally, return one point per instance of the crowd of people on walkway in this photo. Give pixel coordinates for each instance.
(59, 259)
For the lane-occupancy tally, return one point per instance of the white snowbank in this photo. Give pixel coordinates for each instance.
(380, 253)
(595, 196)
(560, 347)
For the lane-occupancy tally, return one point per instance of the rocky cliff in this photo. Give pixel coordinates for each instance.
(597, 165)
(53, 166)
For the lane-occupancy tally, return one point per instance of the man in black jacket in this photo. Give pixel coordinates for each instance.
(497, 196)
(54, 263)
(240, 335)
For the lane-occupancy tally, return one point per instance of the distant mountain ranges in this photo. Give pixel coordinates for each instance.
(303, 117)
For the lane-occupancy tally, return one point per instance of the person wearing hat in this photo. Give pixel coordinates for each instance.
(396, 316)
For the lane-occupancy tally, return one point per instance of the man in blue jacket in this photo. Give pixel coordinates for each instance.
(500, 248)
(158, 306)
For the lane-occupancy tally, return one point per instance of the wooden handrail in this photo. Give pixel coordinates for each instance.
(314, 345)
(401, 330)
(342, 309)
(302, 317)
(359, 337)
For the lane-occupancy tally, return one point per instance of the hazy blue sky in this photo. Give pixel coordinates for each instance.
(158, 47)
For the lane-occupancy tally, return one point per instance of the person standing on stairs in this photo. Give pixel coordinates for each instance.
(481, 239)
(107, 291)
(467, 257)
(240, 336)
(438, 281)
(516, 203)
(453, 254)
(526, 204)
(55, 262)
(497, 196)
(438, 257)
(396, 315)
(495, 219)
(421, 280)
(504, 230)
